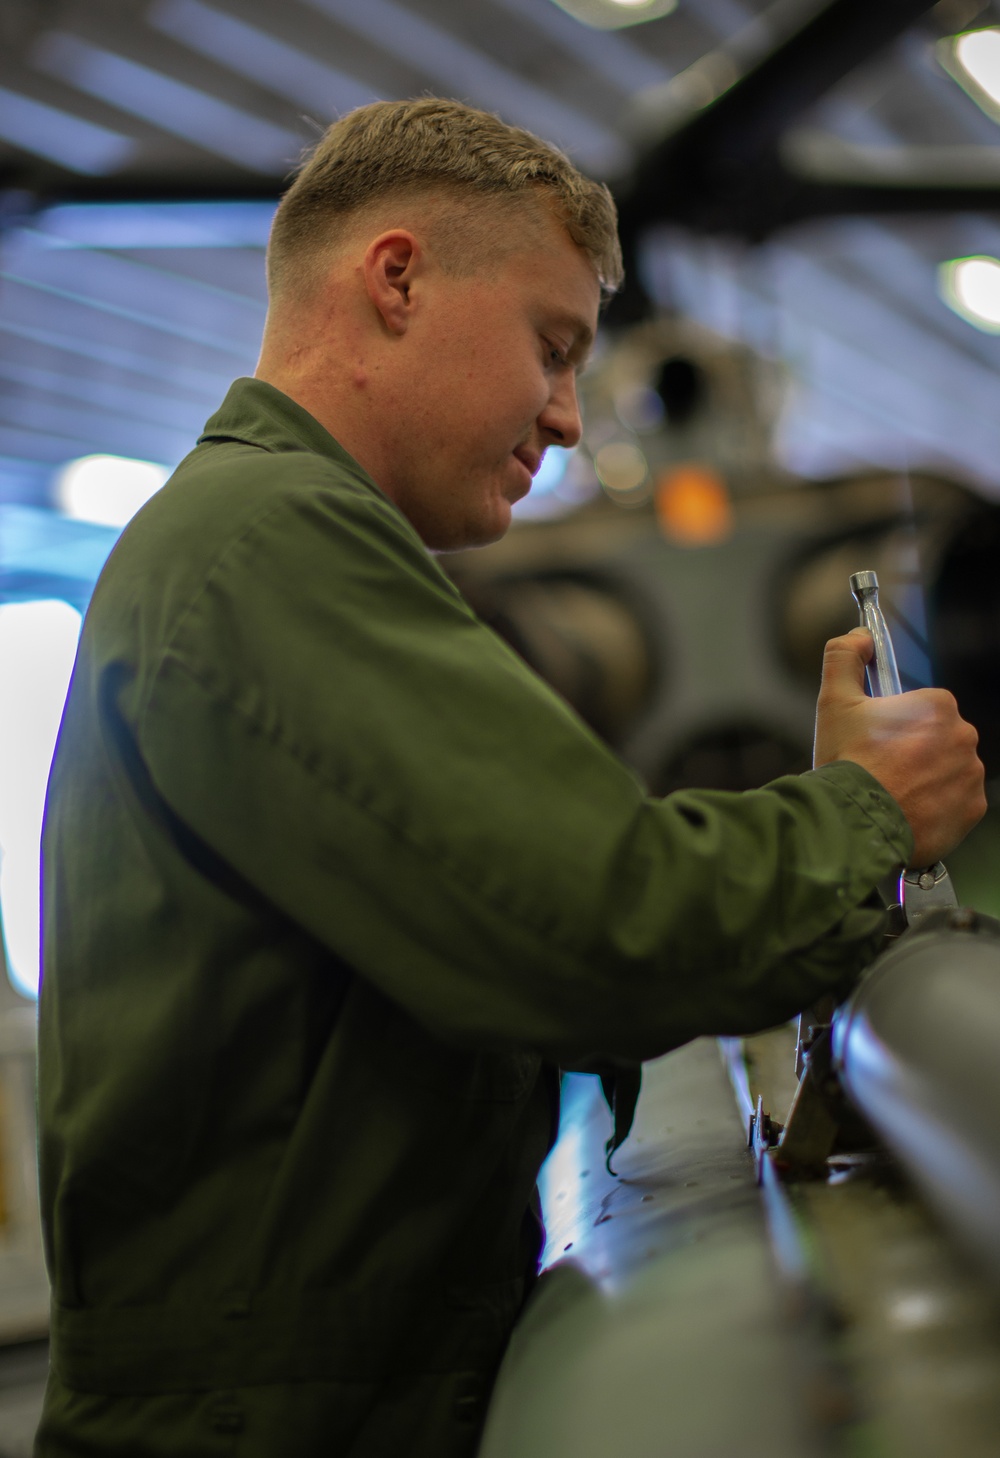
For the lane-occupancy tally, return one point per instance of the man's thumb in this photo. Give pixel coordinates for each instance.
(844, 661)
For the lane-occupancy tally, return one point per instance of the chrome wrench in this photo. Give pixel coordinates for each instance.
(921, 889)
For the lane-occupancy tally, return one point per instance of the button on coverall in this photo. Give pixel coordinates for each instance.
(333, 885)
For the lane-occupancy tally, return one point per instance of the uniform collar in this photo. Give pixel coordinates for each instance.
(258, 414)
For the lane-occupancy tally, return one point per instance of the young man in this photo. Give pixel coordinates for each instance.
(334, 884)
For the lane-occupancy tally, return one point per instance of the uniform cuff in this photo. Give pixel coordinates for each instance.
(866, 793)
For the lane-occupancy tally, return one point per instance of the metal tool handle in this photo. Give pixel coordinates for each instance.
(883, 675)
(930, 888)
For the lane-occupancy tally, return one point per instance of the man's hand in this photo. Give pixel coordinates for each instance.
(915, 744)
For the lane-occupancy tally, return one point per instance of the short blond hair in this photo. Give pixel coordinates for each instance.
(434, 146)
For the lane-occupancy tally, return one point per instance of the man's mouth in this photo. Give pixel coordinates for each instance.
(529, 458)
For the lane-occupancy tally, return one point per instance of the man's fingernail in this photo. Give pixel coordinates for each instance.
(859, 630)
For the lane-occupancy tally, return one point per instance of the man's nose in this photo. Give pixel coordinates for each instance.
(560, 420)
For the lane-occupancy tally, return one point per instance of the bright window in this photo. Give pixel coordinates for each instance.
(37, 648)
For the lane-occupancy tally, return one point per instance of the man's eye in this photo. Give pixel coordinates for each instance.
(557, 357)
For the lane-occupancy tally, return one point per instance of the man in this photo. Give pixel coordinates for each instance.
(334, 884)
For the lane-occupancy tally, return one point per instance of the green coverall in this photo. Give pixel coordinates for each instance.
(334, 884)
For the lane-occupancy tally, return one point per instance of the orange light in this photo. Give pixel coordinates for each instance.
(693, 505)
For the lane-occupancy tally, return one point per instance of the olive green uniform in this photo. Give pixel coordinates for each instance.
(333, 884)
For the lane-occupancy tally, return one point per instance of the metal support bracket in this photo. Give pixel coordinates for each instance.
(817, 1114)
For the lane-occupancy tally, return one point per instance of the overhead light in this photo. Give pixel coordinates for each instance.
(108, 490)
(973, 60)
(61, 136)
(615, 14)
(262, 57)
(183, 110)
(971, 286)
(210, 224)
(442, 56)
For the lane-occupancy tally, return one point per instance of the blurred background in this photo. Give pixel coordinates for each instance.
(798, 381)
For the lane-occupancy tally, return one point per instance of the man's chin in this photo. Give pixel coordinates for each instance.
(497, 525)
(455, 525)
(462, 536)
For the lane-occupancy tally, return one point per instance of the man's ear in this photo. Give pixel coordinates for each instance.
(391, 262)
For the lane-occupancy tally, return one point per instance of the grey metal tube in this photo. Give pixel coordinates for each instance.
(917, 1049)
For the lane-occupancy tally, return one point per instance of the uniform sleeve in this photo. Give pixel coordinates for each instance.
(334, 721)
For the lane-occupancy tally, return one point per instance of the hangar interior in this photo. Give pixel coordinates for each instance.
(797, 382)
